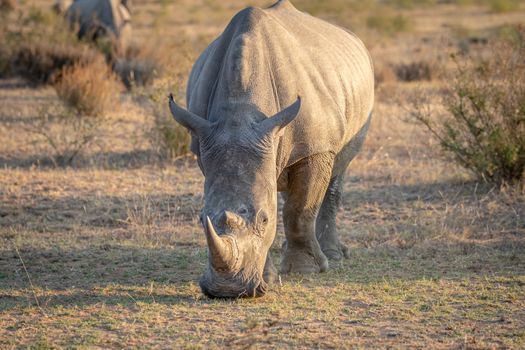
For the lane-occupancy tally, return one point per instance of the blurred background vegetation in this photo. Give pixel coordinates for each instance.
(35, 43)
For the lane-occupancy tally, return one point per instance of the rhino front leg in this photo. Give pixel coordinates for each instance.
(307, 184)
(325, 228)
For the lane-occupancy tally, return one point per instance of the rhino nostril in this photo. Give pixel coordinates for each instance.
(243, 211)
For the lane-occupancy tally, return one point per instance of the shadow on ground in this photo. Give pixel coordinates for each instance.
(115, 273)
(106, 261)
(106, 160)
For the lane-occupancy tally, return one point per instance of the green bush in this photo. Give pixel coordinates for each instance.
(484, 128)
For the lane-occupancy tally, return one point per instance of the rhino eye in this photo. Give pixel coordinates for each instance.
(261, 222)
(263, 218)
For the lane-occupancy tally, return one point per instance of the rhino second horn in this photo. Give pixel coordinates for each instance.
(191, 121)
(221, 249)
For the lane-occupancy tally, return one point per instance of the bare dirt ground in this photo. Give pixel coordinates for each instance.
(107, 253)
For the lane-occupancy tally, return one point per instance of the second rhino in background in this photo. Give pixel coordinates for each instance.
(96, 19)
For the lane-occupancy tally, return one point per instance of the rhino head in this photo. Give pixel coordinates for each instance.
(238, 159)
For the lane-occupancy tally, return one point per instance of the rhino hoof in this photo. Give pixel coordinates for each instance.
(336, 253)
(300, 261)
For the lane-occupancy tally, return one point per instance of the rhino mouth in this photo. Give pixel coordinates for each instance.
(217, 286)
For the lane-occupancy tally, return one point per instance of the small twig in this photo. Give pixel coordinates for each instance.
(151, 292)
(30, 282)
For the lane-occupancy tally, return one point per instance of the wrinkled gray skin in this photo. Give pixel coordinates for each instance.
(253, 136)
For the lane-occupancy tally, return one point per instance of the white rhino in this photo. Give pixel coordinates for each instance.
(95, 18)
(280, 101)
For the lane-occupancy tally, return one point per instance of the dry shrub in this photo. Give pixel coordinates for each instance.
(7, 6)
(36, 44)
(42, 62)
(500, 6)
(135, 72)
(318, 8)
(389, 24)
(66, 132)
(5, 50)
(86, 92)
(90, 88)
(409, 4)
(497, 6)
(140, 65)
(169, 139)
(413, 71)
(484, 128)
(383, 73)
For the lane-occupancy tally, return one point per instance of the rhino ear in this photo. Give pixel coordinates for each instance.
(281, 119)
(190, 121)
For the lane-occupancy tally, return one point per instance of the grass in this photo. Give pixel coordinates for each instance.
(114, 249)
(115, 269)
(115, 255)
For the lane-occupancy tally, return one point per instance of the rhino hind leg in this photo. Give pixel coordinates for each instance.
(326, 231)
(307, 184)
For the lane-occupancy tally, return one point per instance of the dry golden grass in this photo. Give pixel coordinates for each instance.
(90, 89)
(114, 248)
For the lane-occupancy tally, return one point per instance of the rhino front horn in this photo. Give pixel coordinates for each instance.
(222, 253)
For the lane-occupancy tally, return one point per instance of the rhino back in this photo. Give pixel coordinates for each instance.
(266, 58)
